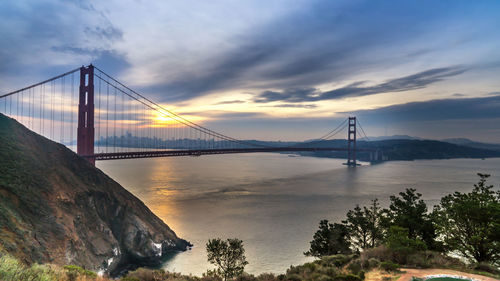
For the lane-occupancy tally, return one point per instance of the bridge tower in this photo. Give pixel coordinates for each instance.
(351, 143)
(85, 134)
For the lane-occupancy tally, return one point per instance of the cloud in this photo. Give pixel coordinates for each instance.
(44, 38)
(230, 102)
(292, 105)
(315, 45)
(412, 82)
(436, 110)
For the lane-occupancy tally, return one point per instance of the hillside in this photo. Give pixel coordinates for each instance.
(57, 208)
(406, 149)
(470, 143)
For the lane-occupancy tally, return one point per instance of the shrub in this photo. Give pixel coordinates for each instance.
(13, 270)
(311, 267)
(354, 267)
(347, 277)
(74, 271)
(389, 266)
(266, 277)
(337, 260)
(246, 277)
(381, 253)
(420, 260)
(293, 277)
(324, 278)
(144, 274)
(373, 263)
(486, 267)
(128, 278)
(362, 275)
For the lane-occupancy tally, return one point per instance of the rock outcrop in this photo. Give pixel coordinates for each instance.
(57, 208)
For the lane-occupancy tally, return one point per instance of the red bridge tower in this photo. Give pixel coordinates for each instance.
(351, 143)
(85, 135)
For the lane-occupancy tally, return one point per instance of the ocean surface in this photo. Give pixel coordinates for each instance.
(274, 202)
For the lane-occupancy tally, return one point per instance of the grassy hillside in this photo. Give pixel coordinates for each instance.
(57, 208)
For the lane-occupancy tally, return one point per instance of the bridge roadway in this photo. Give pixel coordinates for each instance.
(199, 152)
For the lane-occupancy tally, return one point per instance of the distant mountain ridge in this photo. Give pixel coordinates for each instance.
(401, 149)
(475, 144)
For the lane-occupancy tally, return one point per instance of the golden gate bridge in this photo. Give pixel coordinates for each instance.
(108, 120)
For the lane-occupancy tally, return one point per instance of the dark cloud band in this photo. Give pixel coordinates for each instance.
(411, 82)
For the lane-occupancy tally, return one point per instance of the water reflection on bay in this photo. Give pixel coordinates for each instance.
(274, 202)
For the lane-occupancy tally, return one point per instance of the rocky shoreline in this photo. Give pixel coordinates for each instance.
(57, 208)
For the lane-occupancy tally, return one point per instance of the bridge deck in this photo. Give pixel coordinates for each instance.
(199, 152)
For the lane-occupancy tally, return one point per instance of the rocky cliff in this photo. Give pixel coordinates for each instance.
(57, 208)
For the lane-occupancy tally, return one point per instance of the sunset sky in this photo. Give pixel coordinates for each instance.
(277, 70)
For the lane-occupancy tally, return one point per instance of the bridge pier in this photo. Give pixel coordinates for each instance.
(85, 133)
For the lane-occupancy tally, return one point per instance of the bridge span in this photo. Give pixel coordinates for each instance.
(99, 113)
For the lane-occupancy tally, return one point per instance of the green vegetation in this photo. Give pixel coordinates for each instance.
(228, 256)
(470, 223)
(463, 223)
(330, 239)
(12, 269)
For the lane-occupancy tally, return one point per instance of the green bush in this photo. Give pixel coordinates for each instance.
(486, 267)
(13, 270)
(74, 271)
(311, 267)
(347, 277)
(293, 277)
(266, 277)
(373, 263)
(362, 275)
(337, 260)
(128, 278)
(354, 267)
(389, 266)
(324, 278)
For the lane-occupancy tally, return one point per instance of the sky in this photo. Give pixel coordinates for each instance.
(277, 70)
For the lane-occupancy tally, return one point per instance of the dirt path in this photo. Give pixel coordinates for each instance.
(409, 273)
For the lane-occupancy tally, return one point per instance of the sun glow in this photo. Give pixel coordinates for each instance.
(161, 119)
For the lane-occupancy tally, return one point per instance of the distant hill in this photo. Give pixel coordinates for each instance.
(401, 149)
(470, 143)
(393, 137)
(57, 208)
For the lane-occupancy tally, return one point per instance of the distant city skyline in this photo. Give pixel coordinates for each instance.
(277, 70)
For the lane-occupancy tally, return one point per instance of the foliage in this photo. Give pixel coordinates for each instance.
(469, 222)
(401, 245)
(355, 267)
(327, 268)
(13, 270)
(347, 277)
(74, 271)
(486, 267)
(410, 211)
(389, 266)
(336, 260)
(330, 239)
(228, 256)
(364, 225)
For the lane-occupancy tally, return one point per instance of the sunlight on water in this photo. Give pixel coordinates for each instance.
(274, 202)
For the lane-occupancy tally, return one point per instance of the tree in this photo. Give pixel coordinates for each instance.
(358, 226)
(365, 225)
(375, 216)
(228, 256)
(330, 239)
(469, 222)
(397, 240)
(410, 211)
